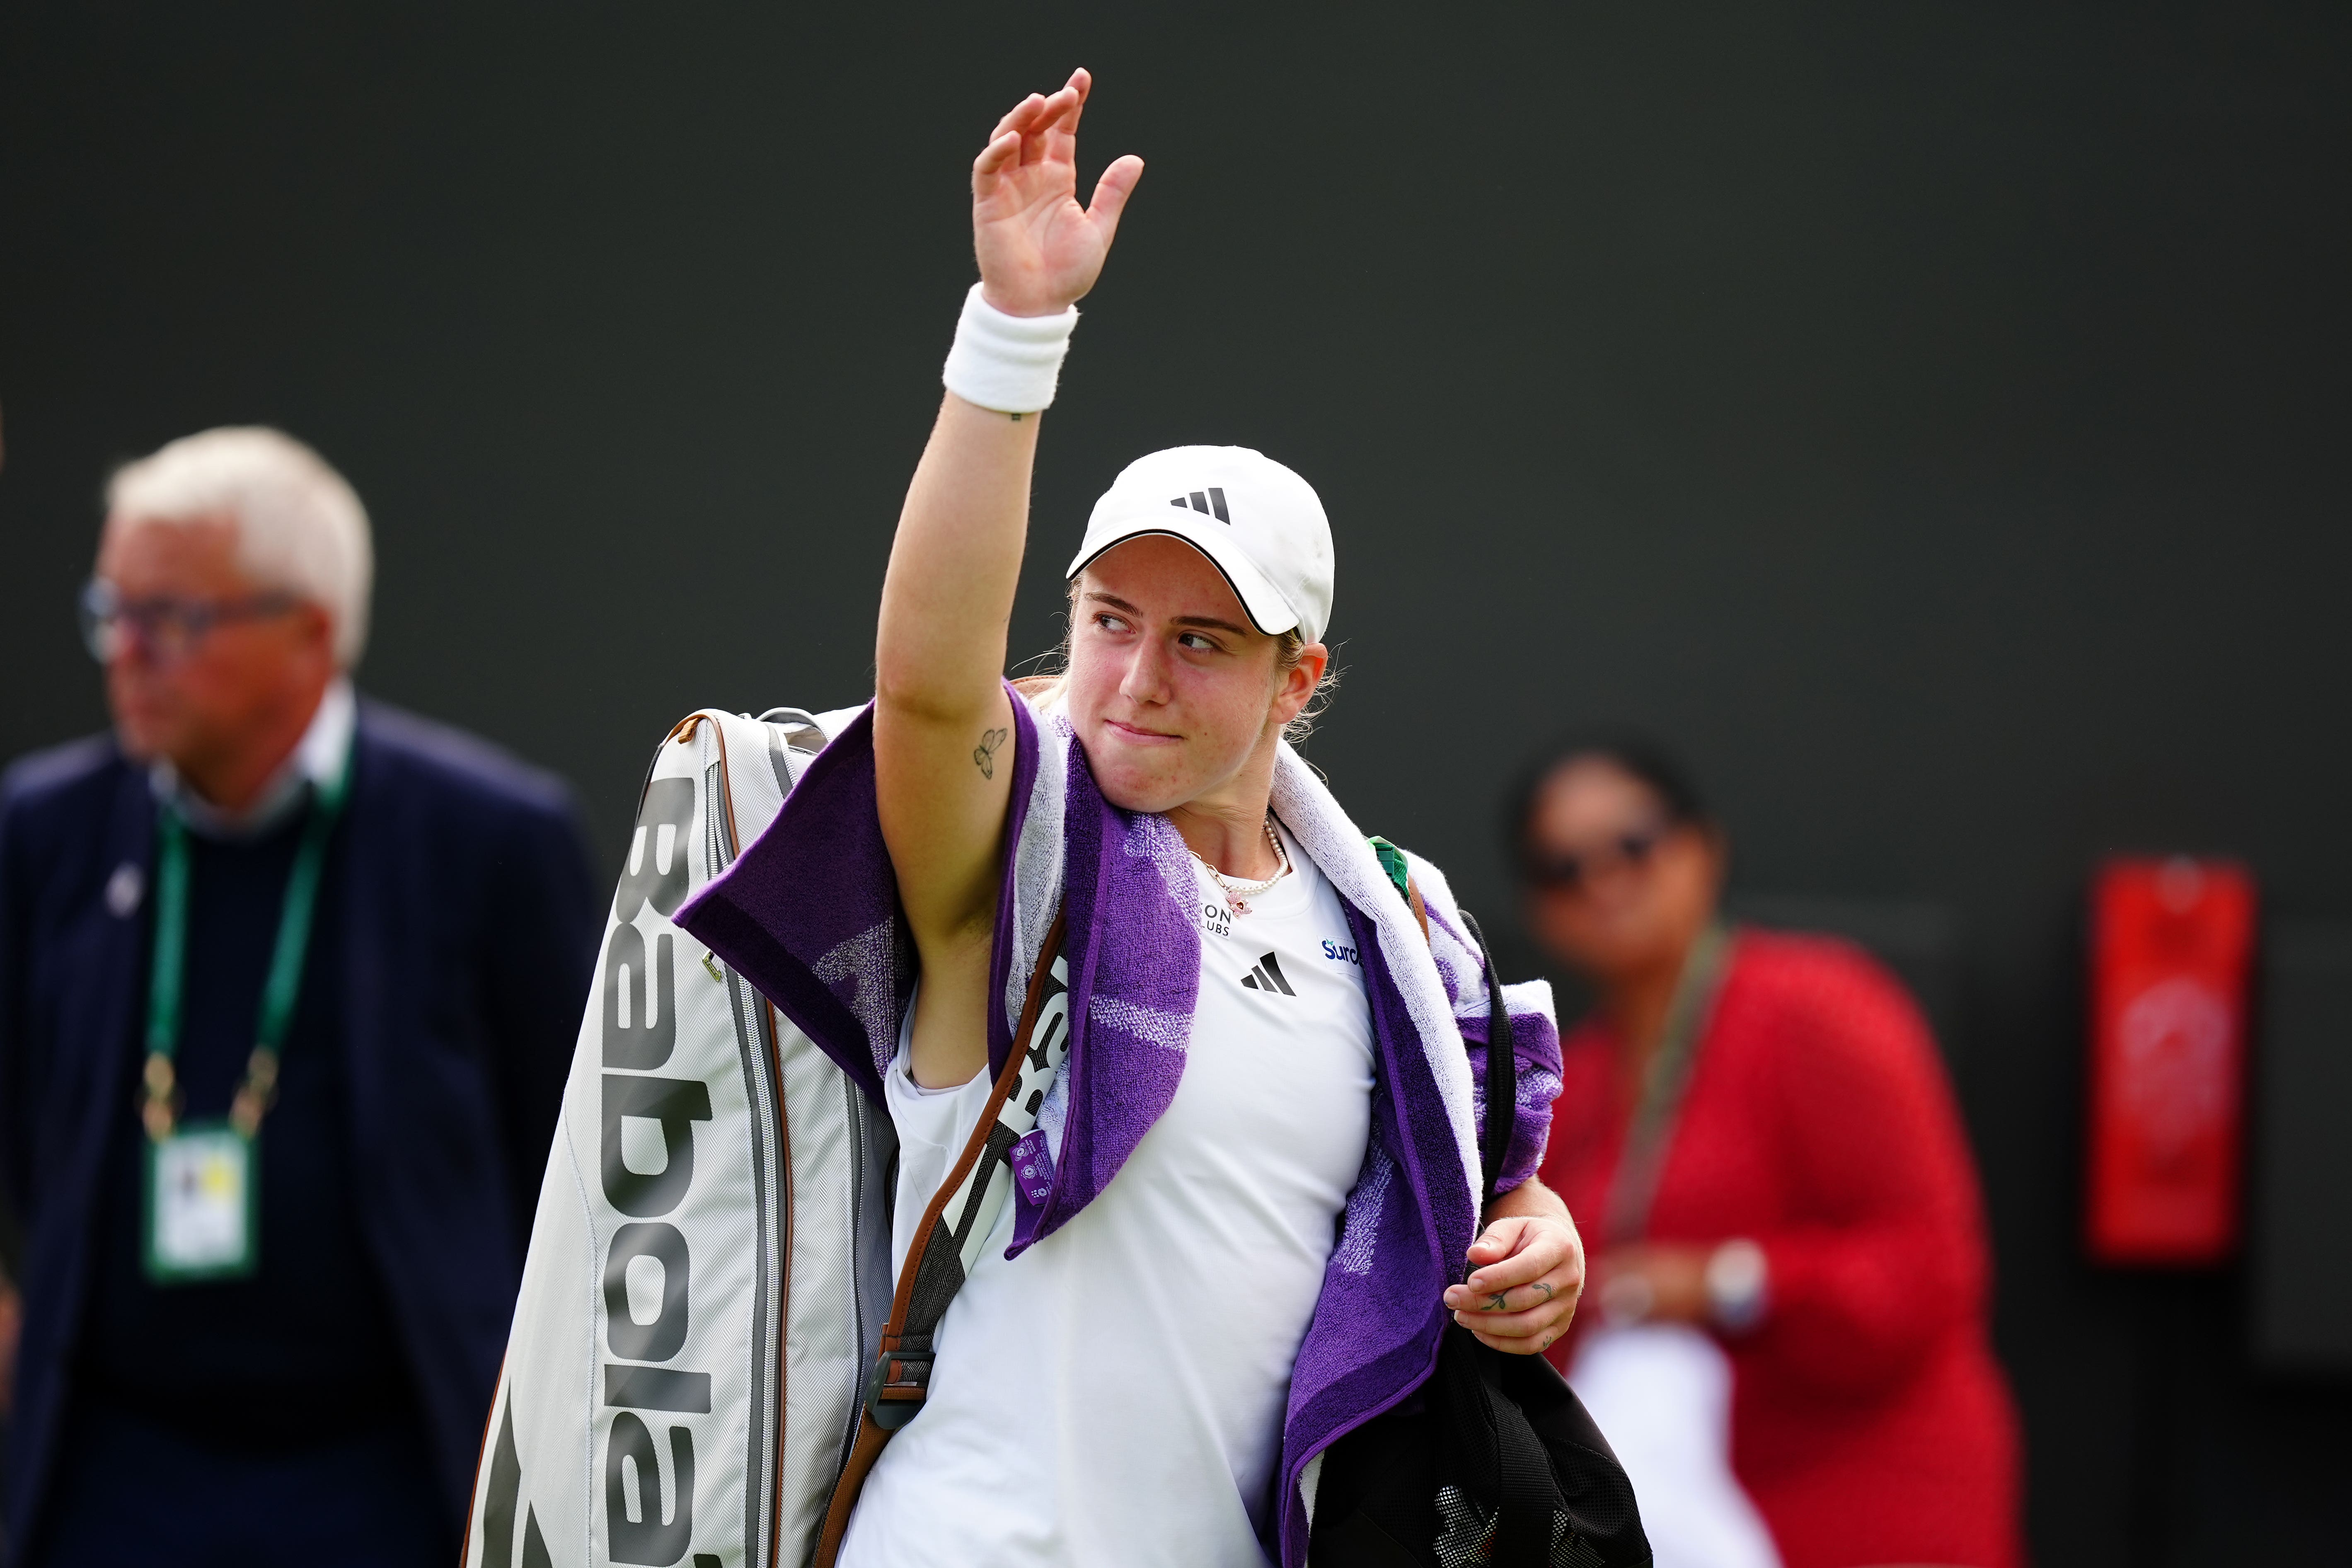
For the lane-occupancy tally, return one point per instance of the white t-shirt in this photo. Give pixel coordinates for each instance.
(1114, 1395)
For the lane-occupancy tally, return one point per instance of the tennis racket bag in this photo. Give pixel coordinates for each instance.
(708, 1271)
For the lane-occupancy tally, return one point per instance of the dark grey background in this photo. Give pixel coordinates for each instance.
(2302, 1274)
(1931, 417)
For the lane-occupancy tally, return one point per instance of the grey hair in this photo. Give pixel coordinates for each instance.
(300, 525)
(1289, 647)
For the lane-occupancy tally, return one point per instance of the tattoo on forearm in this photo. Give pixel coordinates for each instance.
(1495, 1305)
(984, 755)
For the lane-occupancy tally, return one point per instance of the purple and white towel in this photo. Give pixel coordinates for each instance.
(809, 914)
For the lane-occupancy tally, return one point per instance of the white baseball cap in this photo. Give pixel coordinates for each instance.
(1257, 523)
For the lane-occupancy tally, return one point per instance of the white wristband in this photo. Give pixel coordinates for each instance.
(1009, 363)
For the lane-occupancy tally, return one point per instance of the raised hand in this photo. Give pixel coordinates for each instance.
(1039, 250)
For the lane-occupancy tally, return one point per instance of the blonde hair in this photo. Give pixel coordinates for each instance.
(300, 526)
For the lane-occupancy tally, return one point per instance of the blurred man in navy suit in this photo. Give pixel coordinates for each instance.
(289, 986)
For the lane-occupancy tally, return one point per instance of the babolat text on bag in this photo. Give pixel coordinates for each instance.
(709, 1263)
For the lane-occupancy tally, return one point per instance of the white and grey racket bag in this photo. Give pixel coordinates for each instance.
(709, 1266)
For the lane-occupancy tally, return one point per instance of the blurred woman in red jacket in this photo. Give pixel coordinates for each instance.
(1756, 1136)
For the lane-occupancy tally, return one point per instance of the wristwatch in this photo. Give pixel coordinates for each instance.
(1737, 1285)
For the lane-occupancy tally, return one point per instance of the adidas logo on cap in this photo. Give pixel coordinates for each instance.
(1210, 501)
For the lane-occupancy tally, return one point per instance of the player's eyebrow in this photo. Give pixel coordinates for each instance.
(1096, 595)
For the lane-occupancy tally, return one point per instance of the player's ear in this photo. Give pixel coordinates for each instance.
(1299, 679)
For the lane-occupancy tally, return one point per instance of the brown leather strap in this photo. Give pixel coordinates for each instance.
(862, 1455)
(1420, 909)
(911, 1384)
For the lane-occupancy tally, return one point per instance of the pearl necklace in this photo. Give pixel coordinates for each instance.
(1238, 894)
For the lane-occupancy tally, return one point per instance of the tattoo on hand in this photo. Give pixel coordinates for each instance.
(984, 755)
(1545, 1288)
(1546, 1342)
(1495, 1305)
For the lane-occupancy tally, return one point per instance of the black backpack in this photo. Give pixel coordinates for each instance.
(1493, 1461)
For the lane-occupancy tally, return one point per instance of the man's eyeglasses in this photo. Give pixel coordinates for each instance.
(168, 629)
(1569, 870)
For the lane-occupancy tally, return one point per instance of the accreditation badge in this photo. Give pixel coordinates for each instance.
(203, 1191)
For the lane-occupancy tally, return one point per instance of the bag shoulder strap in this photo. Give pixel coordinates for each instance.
(1392, 861)
(1502, 1062)
(1526, 1489)
(1502, 1071)
(955, 1225)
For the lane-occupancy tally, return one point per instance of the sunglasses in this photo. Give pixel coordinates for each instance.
(1567, 871)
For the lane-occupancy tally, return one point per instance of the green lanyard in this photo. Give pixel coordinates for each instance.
(1662, 1089)
(161, 1110)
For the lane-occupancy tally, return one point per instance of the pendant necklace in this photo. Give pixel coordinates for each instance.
(1239, 894)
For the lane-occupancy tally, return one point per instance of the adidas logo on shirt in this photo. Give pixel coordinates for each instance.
(1212, 502)
(1267, 975)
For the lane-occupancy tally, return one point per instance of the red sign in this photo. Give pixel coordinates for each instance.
(2172, 945)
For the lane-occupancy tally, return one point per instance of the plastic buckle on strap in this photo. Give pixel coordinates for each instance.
(897, 1387)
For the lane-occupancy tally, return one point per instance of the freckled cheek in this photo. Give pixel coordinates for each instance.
(1090, 685)
(1224, 712)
